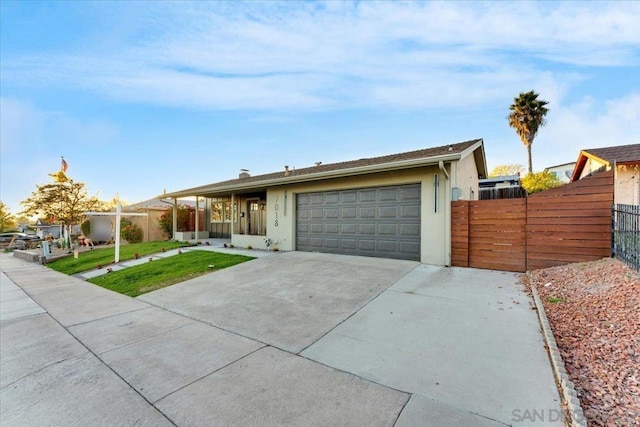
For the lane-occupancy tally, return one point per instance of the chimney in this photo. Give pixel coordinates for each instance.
(244, 173)
(286, 170)
(318, 164)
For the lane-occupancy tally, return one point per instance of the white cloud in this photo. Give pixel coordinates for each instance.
(586, 124)
(318, 56)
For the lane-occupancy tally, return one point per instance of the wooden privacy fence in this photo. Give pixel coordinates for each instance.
(554, 227)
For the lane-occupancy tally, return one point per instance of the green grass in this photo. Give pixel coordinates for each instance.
(137, 280)
(89, 260)
(555, 300)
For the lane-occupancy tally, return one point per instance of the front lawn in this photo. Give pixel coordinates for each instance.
(140, 279)
(89, 260)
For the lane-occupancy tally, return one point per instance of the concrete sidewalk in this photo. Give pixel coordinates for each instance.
(299, 338)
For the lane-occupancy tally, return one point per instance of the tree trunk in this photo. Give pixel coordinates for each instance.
(529, 157)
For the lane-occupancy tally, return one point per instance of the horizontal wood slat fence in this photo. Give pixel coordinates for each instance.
(554, 227)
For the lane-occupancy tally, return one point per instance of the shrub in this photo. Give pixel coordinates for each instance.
(184, 216)
(130, 232)
(86, 227)
(535, 182)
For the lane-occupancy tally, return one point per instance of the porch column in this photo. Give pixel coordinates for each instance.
(175, 217)
(233, 214)
(147, 233)
(197, 218)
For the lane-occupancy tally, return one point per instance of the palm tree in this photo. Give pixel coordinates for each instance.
(527, 115)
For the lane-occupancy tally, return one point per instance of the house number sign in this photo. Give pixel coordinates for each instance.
(276, 207)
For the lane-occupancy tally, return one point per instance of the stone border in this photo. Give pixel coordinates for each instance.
(26, 255)
(576, 414)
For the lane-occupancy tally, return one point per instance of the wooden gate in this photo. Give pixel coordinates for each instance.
(554, 227)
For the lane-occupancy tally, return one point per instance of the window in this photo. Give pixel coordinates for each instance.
(221, 211)
(217, 212)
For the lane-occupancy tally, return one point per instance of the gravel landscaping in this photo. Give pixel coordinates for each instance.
(594, 311)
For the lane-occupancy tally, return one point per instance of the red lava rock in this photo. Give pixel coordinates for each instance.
(597, 328)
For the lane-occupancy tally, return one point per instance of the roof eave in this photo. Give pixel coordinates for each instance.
(480, 157)
(385, 167)
(582, 161)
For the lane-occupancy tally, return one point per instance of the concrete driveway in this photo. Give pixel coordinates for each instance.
(293, 338)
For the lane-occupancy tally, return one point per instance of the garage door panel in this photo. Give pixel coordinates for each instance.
(367, 195)
(331, 243)
(409, 193)
(382, 221)
(388, 229)
(367, 212)
(316, 213)
(388, 246)
(387, 212)
(316, 242)
(348, 212)
(316, 227)
(348, 196)
(409, 247)
(367, 245)
(410, 212)
(348, 228)
(332, 228)
(331, 213)
(332, 198)
(366, 229)
(409, 229)
(388, 194)
(349, 244)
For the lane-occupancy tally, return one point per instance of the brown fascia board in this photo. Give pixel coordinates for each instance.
(480, 157)
(582, 160)
(577, 169)
(279, 179)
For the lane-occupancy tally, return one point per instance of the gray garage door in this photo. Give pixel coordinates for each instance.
(380, 222)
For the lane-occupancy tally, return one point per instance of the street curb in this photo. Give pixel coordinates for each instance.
(576, 414)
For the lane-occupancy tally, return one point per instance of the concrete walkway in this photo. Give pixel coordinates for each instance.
(299, 339)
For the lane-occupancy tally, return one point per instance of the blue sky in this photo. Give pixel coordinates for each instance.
(142, 96)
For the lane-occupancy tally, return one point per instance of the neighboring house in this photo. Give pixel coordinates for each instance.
(501, 187)
(563, 172)
(623, 159)
(44, 228)
(394, 206)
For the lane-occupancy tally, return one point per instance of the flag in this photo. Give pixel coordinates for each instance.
(63, 165)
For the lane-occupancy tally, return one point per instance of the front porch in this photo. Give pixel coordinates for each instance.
(235, 219)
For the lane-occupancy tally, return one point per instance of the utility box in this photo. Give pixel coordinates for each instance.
(456, 194)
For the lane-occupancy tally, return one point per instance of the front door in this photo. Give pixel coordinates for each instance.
(255, 217)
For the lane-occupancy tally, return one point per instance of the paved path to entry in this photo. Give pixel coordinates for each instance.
(297, 338)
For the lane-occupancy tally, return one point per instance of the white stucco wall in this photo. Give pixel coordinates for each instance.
(464, 175)
(627, 185)
(435, 233)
